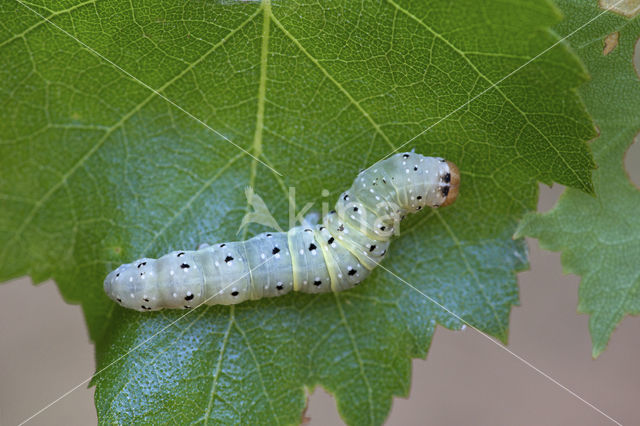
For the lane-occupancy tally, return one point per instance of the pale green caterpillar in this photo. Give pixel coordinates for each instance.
(332, 256)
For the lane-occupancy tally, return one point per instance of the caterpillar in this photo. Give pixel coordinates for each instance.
(334, 255)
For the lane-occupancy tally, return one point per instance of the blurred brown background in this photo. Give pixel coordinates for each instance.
(467, 379)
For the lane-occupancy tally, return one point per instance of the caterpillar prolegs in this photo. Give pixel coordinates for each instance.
(335, 255)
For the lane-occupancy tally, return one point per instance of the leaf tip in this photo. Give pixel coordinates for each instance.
(523, 226)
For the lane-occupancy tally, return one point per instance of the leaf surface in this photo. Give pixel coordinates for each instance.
(117, 118)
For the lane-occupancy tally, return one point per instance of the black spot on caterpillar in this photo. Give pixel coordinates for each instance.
(333, 256)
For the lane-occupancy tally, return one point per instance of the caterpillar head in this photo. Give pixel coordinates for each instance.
(449, 184)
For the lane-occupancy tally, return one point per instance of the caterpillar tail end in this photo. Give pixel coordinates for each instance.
(454, 184)
(126, 285)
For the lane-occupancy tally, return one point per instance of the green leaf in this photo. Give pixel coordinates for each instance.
(600, 236)
(98, 170)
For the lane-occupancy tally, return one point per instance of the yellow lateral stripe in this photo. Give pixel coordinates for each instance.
(246, 262)
(293, 253)
(354, 251)
(328, 258)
